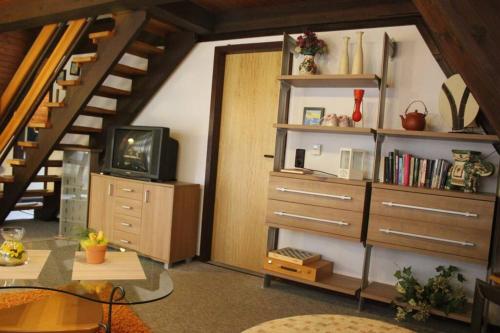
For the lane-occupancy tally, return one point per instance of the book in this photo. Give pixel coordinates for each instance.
(406, 169)
(400, 170)
(386, 170)
(428, 173)
(391, 167)
(416, 171)
(412, 171)
(435, 173)
(421, 176)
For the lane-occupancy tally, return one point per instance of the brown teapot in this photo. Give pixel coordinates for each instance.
(414, 121)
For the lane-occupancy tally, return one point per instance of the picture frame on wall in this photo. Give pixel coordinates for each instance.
(74, 69)
(313, 116)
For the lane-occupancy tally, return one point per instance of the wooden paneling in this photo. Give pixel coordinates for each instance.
(249, 106)
(225, 5)
(100, 203)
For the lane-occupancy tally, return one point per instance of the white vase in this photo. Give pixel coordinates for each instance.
(344, 57)
(357, 64)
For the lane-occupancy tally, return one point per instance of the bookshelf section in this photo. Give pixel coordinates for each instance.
(443, 136)
(326, 129)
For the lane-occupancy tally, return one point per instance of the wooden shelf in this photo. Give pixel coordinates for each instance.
(333, 81)
(386, 293)
(336, 282)
(321, 177)
(483, 138)
(449, 193)
(326, 129)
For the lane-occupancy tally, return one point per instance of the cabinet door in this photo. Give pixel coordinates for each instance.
(101, 204)
(157, 221)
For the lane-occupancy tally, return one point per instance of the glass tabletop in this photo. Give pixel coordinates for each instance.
(57, 272)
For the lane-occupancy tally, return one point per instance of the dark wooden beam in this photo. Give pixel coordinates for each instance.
(467, 35)
(186, 15)
(23, 14)
(319, 15)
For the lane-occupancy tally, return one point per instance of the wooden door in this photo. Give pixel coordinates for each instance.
(156, 222)
(101, 204)
(249, 109)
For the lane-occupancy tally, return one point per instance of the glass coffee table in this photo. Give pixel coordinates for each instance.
(57, 275)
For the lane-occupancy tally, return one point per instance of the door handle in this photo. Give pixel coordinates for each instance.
(268, 156)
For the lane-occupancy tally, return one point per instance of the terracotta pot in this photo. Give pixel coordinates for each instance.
(96, 254)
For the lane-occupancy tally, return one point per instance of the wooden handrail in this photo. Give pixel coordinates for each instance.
(26, 66)
(59, 53)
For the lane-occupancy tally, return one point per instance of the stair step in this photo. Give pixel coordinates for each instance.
(126, 71)
(38, 179)
(107, 91)
(142, 49)
(17, 162)
(39, 125)
(96, 36)
(27, 205)
(54, 104)
(159, 28)
(68, 83)
(95, 111)
(84, 130)
(27, 144)
(84, 59)
(6, 179)
(34, 193)
(53, 163)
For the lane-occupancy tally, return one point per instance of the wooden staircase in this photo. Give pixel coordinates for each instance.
(169, 49)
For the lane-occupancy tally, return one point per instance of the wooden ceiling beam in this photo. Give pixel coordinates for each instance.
(185, 15)
(23, 14)
(467, 35)
(325, 15)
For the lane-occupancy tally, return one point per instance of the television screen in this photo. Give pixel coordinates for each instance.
(132, 150)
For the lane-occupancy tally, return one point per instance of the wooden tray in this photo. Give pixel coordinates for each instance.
(295, 256)
(311, 272)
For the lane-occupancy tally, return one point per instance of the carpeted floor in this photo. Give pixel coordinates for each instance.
(208, 298)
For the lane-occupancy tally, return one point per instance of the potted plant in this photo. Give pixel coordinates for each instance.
(95, 245)
(309, 45)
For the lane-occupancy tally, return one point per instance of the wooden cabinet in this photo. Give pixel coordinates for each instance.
(160, 220)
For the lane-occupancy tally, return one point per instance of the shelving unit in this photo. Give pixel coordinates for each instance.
(325, 187)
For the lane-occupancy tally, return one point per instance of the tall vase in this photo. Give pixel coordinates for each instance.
(344, 57)
(307, 66)
(357, 65)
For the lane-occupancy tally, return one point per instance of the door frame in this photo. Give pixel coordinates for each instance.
(220, 54)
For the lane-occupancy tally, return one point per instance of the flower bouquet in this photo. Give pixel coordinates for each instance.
(309, 45)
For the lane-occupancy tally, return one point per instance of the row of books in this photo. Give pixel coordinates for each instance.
(408, 170)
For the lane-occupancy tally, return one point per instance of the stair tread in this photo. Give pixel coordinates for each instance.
(84, 130)
(35, 193)
(84, 59)
(95, 36)
(38, 178)
(39, 125)
(67, 83)
(74, 147)
(140, 49)
(124, 70)
(95, 111)
(17, 162)
(107, 91)
(27, 205)
(54, 104)
(159, 28)
(27, 144)
(53, 163)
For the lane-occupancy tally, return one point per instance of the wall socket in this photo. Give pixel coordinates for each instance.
(316, 150)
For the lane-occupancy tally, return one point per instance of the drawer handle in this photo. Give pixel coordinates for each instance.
(341, 197)
(444, 240)
(110, 189)
(126, 224)
(311, 218)
(127, 190)
(125, 241)
(429, 209)
(126, 207)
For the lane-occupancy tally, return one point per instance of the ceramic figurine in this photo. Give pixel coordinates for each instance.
(344, 57)
(466, 170)
(344, 121)
(357, 64)
(330, 120)
(414, 121)
(358, 99)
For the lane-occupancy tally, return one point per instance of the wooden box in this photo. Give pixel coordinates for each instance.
(314, 271)
(294, 256)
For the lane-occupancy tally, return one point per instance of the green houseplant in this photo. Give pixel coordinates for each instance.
(95, 245)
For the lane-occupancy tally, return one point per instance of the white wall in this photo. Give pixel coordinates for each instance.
(183, 104)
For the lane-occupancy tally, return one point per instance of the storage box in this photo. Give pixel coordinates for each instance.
(295, 256)
(314, 271)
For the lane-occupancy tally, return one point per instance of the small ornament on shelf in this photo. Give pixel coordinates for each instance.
(344, 57)
(309, 45)
(468, 167)
(330, 120)
(357, 64)
(414, 121)
(358, 100)
(351, 163)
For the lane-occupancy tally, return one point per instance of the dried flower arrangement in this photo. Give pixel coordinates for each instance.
(309, 44)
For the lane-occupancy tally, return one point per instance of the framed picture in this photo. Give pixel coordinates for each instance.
(74, 69)
(313, 116)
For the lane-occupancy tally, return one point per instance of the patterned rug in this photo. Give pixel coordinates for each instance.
(326, 324)
(124, 318)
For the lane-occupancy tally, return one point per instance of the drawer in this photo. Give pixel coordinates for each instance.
(130, 190)
(127, 224)
(314, 271)
(126, 239)
(127, 207)
(317, 193)
(409, 234)
(320, 219)
(466, 213)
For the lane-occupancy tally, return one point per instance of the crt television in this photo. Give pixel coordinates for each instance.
(141, 152)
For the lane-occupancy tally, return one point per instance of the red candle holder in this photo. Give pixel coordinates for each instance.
(358, 99)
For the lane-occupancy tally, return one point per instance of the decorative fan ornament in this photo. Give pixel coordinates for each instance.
(457, 106)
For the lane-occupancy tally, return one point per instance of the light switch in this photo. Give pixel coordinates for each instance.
(316, 150)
